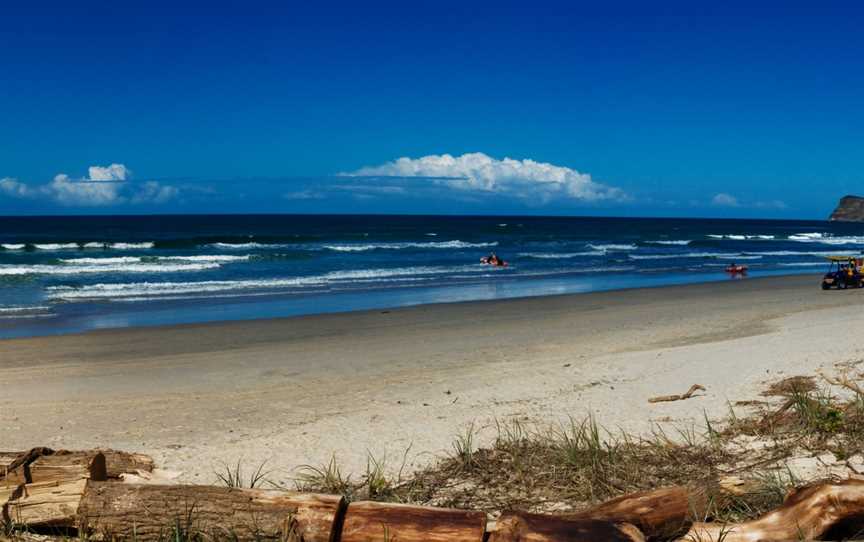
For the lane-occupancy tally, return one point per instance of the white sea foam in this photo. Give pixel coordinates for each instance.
(41, 269)
(826, 239)
(25, 311)
(682, 242)
(715, 255)
(56, 246)
(740, 237)
(205, 258)
(161, 289)
(24, 308)
(243, 246)
(119, 260)
(77, 246)
(613, 247)
(131, 246)
(561, 255)
(806, 236)
(798, 253)
(398, 246)
(102, 261)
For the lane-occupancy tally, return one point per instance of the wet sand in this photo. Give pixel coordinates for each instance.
(296, 391)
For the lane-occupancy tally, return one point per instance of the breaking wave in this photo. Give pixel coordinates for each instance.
(398, 246)
(159, 289)
(41, 269)
(613, 247)
(560, 255)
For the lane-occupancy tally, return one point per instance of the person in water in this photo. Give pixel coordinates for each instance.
(492, 259)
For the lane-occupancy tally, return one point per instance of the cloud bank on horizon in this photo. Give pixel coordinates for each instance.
(103, 186)
(479, 174)
(724, 199)
(467, 183)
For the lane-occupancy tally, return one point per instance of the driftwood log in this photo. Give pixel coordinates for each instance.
(42, 488)
(375, 522)
(521, 527)
(150, 512)
(661, 513)
(808, 513)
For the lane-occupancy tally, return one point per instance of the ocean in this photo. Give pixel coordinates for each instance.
(70, 274)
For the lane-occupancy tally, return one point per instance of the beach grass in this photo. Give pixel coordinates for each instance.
(573, 465)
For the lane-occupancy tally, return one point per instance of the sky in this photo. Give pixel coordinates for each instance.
(684, 109)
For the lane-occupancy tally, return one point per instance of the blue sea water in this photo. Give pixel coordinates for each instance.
(67, 274)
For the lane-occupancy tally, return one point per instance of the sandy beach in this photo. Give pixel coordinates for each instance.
(296, 391)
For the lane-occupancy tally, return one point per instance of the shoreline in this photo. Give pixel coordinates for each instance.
(60, 326)
(299, 390)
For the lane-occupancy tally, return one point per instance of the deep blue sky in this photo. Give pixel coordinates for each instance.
(234, 106)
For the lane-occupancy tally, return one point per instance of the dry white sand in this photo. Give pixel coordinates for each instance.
(298, 390)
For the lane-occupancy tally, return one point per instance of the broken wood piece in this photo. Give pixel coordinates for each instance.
(374, 522)
(693, 389)
(118, 463)
(523, 527)
(145, 512)
(46, 504)
(66, 465)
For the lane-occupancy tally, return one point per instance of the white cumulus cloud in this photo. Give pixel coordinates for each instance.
(114, 172)
(479, 173)
(104, 185)
(725, 200)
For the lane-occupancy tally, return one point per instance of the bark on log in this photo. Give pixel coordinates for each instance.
(661, 513)
(46, 504)
(522, 527)
(807, 514)
(151, 512)
(376, 522)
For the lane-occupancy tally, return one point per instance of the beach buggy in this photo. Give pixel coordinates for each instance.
(843, 272)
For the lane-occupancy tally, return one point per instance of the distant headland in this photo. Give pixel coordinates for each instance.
(850, 209)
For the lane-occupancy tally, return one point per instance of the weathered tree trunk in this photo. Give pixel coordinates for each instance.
(151, 512)
(377, 522)
(521, 527)
(807, 514)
